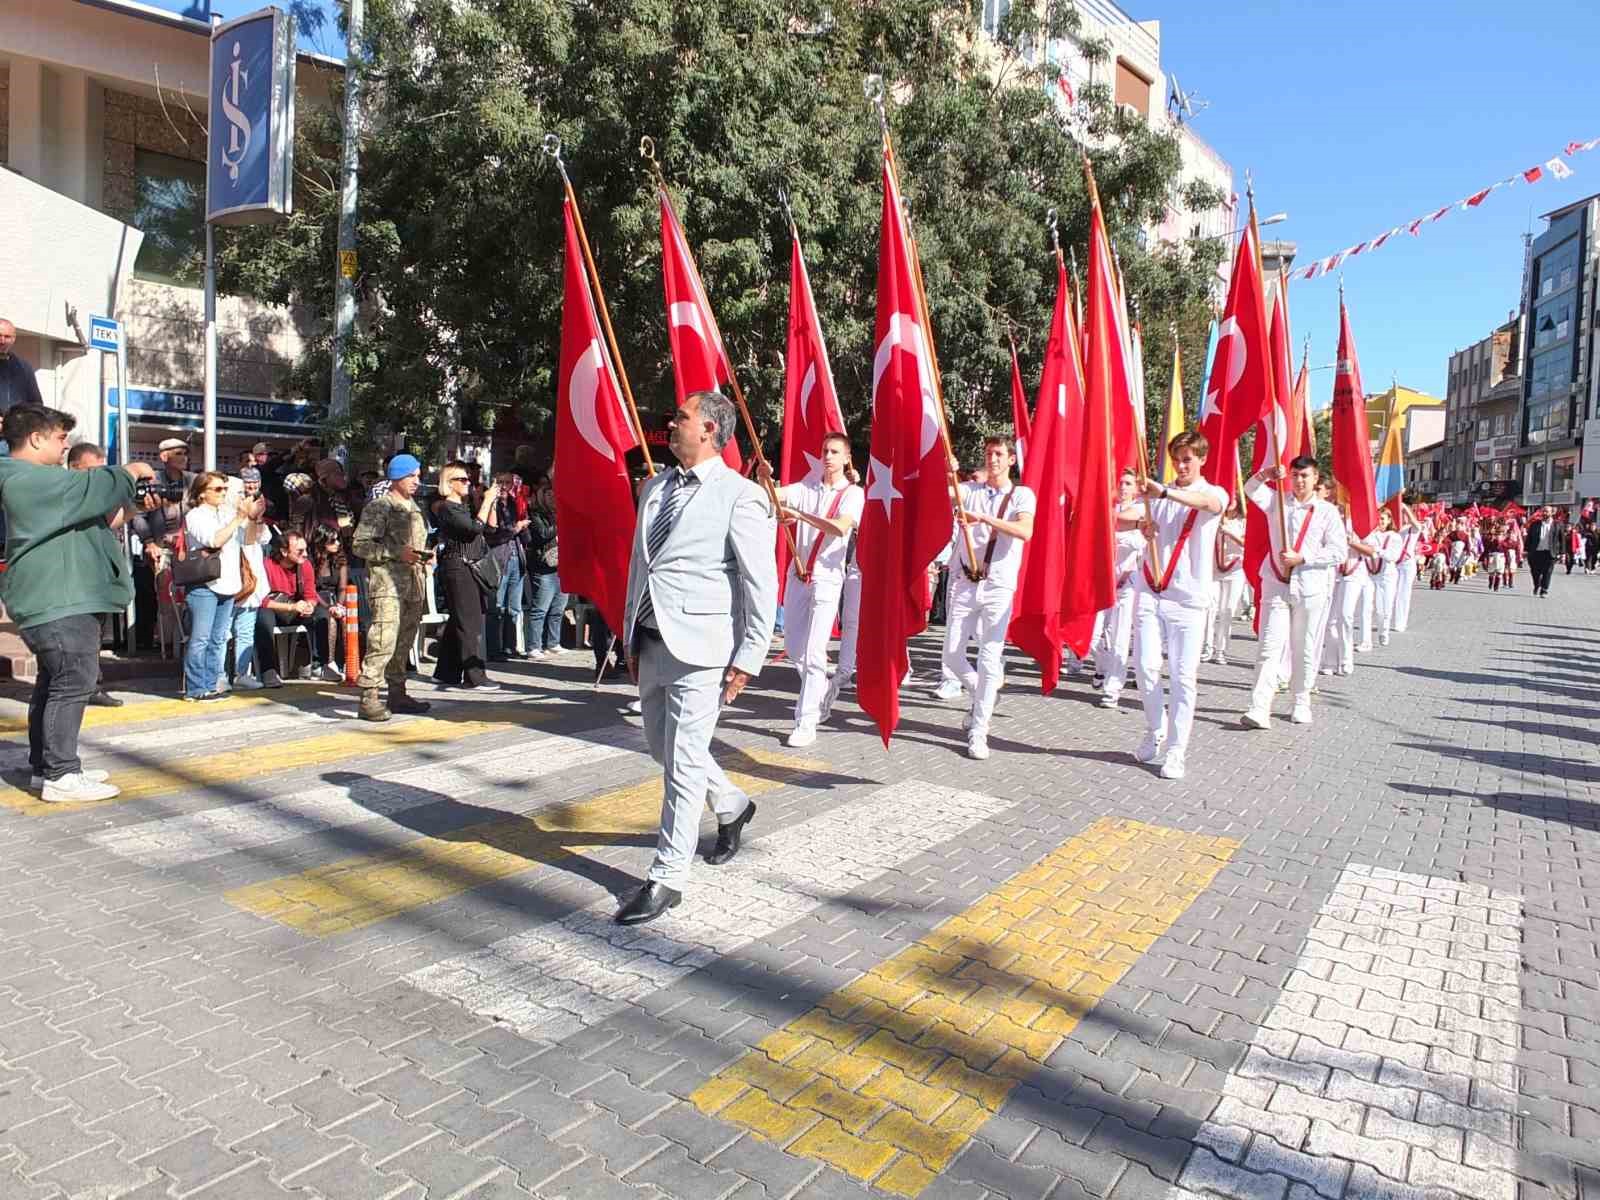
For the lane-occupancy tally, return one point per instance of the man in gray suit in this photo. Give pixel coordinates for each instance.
(702, 597)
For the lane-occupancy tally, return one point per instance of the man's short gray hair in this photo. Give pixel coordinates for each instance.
(718, 409)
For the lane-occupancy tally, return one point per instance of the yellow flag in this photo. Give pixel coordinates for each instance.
(1172, 423)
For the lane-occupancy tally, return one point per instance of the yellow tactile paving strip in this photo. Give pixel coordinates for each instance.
(361, 891)
(235, 767)
(889, 1077)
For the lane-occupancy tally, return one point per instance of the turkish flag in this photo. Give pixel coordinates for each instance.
(1021, 427)
(908, 513)
(1127, 387)
(593, 437)
(1352, 444)
(1301, 401)
(1091, 580)
(699, 361)
(1280, 438)
(810, 404)
(1036, 615)
(1239, 391)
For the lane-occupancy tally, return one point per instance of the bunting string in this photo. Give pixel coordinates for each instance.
(1551, 168)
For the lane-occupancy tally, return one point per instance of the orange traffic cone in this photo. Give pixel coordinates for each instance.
(352, 635)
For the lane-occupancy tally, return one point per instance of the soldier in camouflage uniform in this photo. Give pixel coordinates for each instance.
(391, 538)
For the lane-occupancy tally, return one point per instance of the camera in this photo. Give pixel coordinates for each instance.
(168, 491)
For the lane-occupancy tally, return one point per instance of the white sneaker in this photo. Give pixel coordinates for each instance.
(1151, 749)
(92, 774)
(1255, 720)
(1107, 701)
(801, 735)
(966, 722)
(636, 707)
(1383, 639)
(1172, 767)
(978, 747)
(1326, 671)
(272, 680)
(828, 698)
(1364, 648)
(76, 789)
(1220, 659)
(948, 690)
(332, 674)
(246, 683)
(534, 655)
(223, 685)
(1301, 714)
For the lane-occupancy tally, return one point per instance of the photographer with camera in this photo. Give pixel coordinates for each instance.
(65, 569)
(163, 501)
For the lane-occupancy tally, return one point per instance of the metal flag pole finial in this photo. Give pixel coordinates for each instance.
(783, 203)
(552, 150)
(1050, 223)
(872, 88)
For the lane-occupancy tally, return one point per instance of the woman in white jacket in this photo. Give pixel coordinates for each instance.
(1228, 587)
(1384, 569)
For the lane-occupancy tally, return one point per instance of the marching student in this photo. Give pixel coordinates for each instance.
(822, 514)
(1000, 516)
(1351, 583)
(1296, 584)
(1229, 585)
(1384, 569)
(1114, 638)
(1170, 609)
(1406, 570)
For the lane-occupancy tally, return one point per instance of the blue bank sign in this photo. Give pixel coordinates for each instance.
(235, 414)
(250, 151)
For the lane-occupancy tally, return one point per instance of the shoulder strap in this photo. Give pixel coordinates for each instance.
(994, 536)
(816, 542)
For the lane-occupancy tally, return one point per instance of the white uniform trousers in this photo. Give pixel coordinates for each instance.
(808, 613)
(1292, 621)
(1115, 642)
(1226, 593)
(849, 626)
(680, 704)
(1405, 580)
(981, 611)
(1383, 588)
(1162, 626)
(1366, 609)
(1344, 614)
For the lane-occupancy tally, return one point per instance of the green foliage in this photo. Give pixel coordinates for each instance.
(461, 237)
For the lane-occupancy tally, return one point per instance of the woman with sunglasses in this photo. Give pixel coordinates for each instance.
(461, 541)
(211, 528)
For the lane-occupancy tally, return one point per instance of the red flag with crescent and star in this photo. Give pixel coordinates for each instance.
(908, 513)
(1238, 393)
(1352, 445)
(1282, 437)
(593, 437)
(810, 403)
(699, 360)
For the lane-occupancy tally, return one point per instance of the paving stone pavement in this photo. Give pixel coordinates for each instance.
(309, 958)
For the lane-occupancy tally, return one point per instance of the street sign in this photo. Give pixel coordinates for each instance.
(250, 148)
(105, 334)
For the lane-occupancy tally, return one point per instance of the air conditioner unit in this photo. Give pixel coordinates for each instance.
(1129, 111)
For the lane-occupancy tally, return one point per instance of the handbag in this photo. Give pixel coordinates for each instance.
(487, 572)
(247, 581)
(197, 569)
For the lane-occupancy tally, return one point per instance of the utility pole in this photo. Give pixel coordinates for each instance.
(344, 304)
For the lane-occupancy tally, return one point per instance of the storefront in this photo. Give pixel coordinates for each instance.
(241, 422)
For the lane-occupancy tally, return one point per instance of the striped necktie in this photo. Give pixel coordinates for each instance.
(679, 490)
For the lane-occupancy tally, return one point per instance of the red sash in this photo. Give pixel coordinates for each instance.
(816, 546)
(1300, 540)
(1172, 563)
(1223, 565)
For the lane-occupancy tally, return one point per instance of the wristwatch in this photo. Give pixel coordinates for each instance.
(1163, 491)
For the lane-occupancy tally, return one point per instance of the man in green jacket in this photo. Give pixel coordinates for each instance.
(64, 568)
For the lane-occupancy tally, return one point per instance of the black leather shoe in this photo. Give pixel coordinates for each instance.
(648, 903)
(104, 699)
(728, 836)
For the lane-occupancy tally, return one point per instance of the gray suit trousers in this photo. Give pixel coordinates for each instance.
(681, 704)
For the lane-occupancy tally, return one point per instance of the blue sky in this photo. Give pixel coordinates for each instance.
(1358, 117)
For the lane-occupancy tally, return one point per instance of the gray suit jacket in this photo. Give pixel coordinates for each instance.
(714, 583)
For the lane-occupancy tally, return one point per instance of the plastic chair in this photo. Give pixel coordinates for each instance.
(431, 619)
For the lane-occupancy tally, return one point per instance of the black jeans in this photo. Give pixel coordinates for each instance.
(146, 609)
(68, 653)
(1542, 564)
(461, 644)
(267, 646)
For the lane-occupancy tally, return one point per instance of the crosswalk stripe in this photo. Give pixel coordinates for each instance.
(553, 980)
(197, 737)
(145, 711)
(889, 1077)
(230, 766)
(1387, 1066)
(194, 837)
(363, 890)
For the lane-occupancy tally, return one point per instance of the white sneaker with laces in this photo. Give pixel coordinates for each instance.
(978, 747)
(246, 683)
(828, 697)
(1172, 767)
(636, 707)
(272, 680)
(332, 674)
(92, 774)
(802, 735)
(1256, 720)
(1107, 701)
(948, 690)
(77, 788)
(223, 685)
(1301, 714)
(1151, 750)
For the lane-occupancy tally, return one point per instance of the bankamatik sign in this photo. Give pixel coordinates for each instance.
(250, 150)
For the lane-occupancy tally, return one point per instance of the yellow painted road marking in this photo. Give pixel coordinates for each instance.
(889, 1077)
(356, 892)
(234, 767)
(151, 710)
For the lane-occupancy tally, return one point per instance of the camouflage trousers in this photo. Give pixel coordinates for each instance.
(396, 613)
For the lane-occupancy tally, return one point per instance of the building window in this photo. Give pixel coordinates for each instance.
(1132, 88)
(169, 205)
(1483, 427)
(1561, 472)
(994, 14)
(1550, 375)
(1536, 476)
(1500, 424)
(1552, 322)
(1547, 421)
(1498, 469)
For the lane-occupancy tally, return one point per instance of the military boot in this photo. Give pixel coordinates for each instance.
(401, 703)
(372, 708)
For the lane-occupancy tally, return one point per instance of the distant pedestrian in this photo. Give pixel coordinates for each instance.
(1539, 544)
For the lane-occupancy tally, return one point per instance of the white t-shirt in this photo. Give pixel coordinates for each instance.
(1195, 568)
(1229, 552)
(1007, 560)
(1130, 547)
(817, 499)
(202, 524)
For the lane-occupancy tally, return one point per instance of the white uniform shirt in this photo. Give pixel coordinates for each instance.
(817, 499)
(1323, 547)
(1007, 560)
(1194, 569)
(1388, 546)
(1228, 551)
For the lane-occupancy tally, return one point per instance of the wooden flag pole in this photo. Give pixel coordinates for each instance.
(552, 147)
(647, 151)
(1273, 448)
(875, 96)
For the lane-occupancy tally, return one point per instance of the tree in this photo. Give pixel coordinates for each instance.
(460, 238)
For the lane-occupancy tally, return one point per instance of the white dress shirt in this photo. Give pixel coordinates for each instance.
(816, 499)
(1007, 561)
(1195, 569)
(1323, 547)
